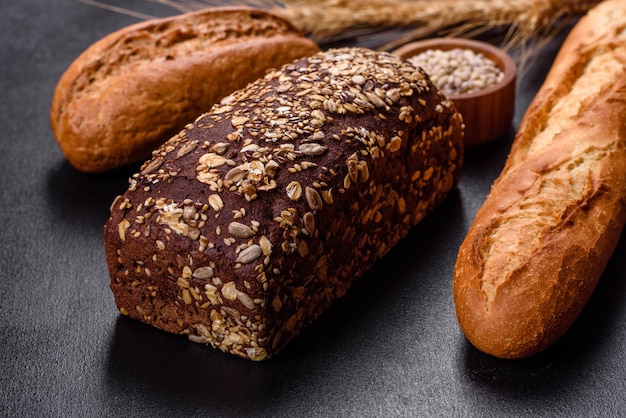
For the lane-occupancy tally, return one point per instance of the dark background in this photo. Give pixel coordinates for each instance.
(390, 347)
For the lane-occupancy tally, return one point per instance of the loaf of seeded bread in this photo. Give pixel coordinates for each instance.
(131, 91)
(544, 235)
(249, 223)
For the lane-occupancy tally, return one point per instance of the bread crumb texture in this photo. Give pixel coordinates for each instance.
(249, 223)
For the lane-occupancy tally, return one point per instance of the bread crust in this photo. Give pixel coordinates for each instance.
(539, 244)
(135, 88)
(247, 225)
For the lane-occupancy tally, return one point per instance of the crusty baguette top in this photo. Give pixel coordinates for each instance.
(588, 64)
(543, 237)
(579, 94)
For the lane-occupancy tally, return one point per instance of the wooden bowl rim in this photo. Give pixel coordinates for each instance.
(500, 57)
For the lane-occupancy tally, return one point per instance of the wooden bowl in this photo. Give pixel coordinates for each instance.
(488, 113)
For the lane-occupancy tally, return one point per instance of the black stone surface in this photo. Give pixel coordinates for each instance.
(390, 347)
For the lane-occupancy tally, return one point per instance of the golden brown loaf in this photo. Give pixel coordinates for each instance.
(545, 233)
(131, 91)
(250, 222)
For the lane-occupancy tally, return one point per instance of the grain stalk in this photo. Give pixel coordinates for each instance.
(522, 26)
(333, 19)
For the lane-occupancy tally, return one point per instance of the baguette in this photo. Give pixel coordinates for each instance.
(248, 224)
(132, 90)
(539, 244)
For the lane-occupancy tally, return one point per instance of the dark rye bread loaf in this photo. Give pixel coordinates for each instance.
(250, 222)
